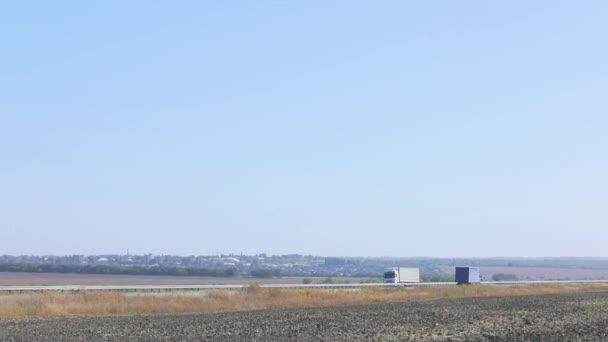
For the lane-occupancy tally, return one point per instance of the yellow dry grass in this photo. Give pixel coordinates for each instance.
(252, 297)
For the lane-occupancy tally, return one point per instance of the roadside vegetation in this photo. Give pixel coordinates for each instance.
(437, 278)
(253, 297)
(504, 277)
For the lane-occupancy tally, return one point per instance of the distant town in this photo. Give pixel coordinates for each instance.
(264, 265)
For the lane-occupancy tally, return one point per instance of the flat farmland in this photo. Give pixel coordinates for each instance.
(560, 317)
(40, 279)
(540, 273)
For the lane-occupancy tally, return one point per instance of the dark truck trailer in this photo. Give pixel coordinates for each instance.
(467, 275)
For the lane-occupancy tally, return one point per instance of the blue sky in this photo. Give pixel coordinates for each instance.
(443, 128)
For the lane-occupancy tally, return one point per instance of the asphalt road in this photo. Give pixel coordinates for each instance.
(209, 287)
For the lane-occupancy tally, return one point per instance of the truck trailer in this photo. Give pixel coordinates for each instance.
(399, 275)
(467, 275)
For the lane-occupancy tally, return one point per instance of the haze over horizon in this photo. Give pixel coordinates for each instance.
(450, 129)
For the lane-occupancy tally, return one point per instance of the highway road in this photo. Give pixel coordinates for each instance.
(213, 287)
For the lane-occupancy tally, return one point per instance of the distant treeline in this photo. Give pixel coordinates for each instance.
(265, 273)
(116, 269)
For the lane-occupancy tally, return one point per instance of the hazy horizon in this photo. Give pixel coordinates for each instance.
(345, 128)
(498, 257)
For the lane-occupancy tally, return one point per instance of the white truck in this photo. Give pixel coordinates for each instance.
(399, 275)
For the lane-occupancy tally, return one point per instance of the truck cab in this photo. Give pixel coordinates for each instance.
(391, 275)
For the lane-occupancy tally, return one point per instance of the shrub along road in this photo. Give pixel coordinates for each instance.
(566, 317)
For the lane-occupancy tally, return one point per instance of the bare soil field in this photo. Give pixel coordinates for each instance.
(39, 279)
(564, 317)
(540, 273)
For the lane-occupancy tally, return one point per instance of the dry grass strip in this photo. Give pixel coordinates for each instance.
(252, 297)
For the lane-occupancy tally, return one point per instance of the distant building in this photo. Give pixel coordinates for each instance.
(231, 260)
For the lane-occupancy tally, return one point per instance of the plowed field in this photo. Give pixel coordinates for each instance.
(568, 317)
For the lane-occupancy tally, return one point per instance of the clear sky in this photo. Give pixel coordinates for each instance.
(361, 128)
